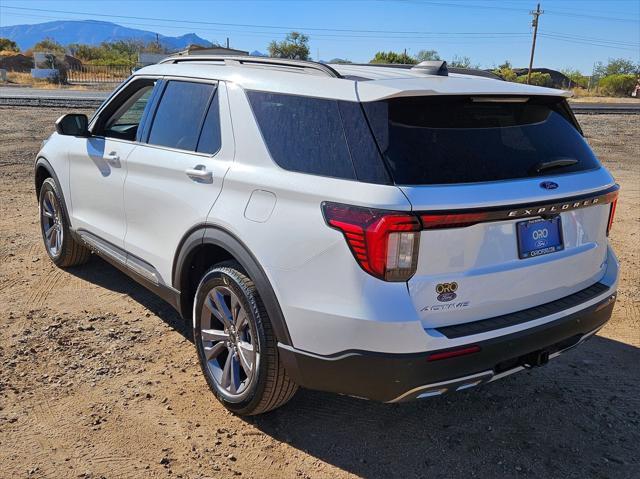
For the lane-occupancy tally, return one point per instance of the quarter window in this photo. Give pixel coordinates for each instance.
(303, 134)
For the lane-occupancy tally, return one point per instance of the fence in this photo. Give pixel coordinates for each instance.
(80, 74)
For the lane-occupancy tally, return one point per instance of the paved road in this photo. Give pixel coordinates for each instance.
(22, 96)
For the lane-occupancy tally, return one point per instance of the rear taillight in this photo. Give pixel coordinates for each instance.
(385, 243)
(456, 220)
(612, 213)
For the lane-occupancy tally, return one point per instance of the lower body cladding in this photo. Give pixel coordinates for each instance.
(401, 377)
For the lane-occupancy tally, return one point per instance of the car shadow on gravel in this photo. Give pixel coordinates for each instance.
(579, 416)
(103, 274)
(576, 417)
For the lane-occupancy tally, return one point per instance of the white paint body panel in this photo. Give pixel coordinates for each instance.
(97, 171)
(162, 203)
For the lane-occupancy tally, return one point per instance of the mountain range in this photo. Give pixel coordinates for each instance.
(92, 32)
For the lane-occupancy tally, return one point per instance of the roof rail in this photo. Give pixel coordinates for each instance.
(406, 66)
(304, 66)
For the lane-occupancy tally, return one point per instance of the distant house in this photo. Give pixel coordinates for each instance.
(145, 59)
(215, 50)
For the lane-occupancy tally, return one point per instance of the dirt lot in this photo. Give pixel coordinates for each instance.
(99, 378)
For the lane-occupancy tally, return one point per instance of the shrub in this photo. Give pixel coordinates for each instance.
(537, 79)
(618, 85)
(506, 73)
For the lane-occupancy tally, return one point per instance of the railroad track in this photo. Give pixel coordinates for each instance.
(50, 102)
(79, 102)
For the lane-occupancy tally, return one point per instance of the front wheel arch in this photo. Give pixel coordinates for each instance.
(223, 246)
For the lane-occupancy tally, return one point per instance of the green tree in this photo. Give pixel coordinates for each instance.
(576, 78)
(393, 57)
(294, 46)
(49, 45)
(505, 71)
(616, 66)
(618, 85)
(427, 55)
(462, 62)
(340, 61)
(537, 79)
(86, 53)
(8, 45)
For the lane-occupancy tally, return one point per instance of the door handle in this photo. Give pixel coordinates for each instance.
(113, 159)
(200, 174)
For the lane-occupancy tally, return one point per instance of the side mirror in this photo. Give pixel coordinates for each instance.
(73, 124)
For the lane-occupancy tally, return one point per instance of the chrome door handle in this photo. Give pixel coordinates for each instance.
(200, 174)
(113, 159)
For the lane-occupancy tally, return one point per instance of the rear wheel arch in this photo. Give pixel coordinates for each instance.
(207, 245)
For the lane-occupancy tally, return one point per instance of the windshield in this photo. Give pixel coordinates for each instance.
(444, 140)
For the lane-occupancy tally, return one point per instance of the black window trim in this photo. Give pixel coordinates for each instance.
(152, 115)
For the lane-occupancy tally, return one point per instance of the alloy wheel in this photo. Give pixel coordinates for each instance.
(229, 342)
(50, 217)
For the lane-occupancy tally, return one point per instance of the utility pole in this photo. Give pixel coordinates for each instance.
(227, 42)
(534, 23)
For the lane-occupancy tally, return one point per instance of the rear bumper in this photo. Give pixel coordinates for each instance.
(399, 377)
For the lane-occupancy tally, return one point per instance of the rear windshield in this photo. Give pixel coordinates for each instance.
(444, 140)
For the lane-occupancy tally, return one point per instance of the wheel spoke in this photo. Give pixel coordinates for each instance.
(235, 373)
(58, 237)
(241, 321)
(48, 234)
(225, 380)
(211, 306)
(214, 351)
(235, 308)
(45, 211)
(214, 335)
(246, 355)
(53, 237)
(221, 305)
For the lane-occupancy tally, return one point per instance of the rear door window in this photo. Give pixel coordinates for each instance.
(444, 140)
(180, 114)
(210, 139)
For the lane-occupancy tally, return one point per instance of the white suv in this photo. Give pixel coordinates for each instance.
(386, 233)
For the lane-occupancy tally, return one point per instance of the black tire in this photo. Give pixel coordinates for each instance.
(271, 387)
(70, 252)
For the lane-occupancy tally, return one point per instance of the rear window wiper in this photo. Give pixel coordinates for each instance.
(558, 163)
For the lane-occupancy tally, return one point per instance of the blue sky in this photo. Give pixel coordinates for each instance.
(574, 33)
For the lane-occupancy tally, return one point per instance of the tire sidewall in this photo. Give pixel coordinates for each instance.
(226, 276)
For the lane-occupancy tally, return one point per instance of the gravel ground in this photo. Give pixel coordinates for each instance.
(99, 378)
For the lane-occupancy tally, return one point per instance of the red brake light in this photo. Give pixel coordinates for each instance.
(385, 243)
(458, 220)
(612, 213)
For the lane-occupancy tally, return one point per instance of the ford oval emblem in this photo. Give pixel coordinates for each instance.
(444, 297)
(548, 185)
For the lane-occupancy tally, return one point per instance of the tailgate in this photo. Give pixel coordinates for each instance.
(471, 264)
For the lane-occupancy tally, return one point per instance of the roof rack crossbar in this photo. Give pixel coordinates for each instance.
(249, 60)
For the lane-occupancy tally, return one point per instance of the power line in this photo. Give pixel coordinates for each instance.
(426, 35)
(440, 37)
(200, 22)
(583, 42)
